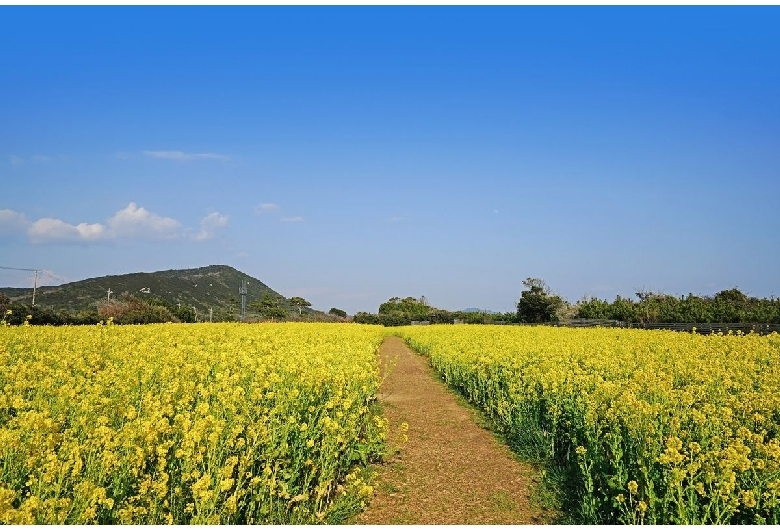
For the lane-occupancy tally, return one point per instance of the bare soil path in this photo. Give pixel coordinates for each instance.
(450, 471)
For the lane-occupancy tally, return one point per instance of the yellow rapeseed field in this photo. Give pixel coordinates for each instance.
(653, 426)
(196, 423)
(268, 423)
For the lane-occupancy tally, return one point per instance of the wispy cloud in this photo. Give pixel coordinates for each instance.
(182, 156)
(209, 226)
(17, 161)
(266, 207)
(270, 207)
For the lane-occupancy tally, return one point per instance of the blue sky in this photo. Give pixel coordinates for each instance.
(352, 154)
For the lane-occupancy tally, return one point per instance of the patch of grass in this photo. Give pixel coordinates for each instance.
(406, 518)
(502, 501)
(553, 495)
(388, 488)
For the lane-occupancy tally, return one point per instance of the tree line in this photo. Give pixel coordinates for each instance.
(404, 311)
(729, 306)
(539, 305)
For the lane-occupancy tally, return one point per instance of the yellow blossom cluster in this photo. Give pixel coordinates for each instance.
(185, 424)
(657, 427)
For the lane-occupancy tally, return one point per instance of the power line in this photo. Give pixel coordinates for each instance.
(35, 277)
(35, 280)
(18, 269)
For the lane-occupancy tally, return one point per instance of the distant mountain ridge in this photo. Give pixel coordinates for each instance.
(478, 310)
(213, 287)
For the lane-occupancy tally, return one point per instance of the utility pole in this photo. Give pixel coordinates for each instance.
(35, 278)
(211, 315)
(196, 312)
(242, 292)
(109, 294)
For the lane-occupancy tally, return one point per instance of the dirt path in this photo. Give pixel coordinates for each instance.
(450, 471)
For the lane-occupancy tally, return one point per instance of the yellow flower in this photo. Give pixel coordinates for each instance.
(633, 487)
(747, 498)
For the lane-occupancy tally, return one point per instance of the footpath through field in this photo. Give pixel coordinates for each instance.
(450, 471)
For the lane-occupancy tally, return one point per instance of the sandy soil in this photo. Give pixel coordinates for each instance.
(450, 471)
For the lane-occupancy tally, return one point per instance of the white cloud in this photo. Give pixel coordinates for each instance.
(16, 161)
(182, 156)
(266, 207)
(209, 225)
(214, 220)
(53, 230)
(12, 223)
(134, 221)
(92, 232)
(397, 219)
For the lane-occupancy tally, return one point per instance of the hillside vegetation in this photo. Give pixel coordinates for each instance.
(183, 295)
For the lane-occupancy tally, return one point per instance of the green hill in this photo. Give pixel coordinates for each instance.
(214, 287)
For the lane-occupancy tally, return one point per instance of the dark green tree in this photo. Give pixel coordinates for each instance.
(269, 308)
(408, 307)
(337, 312)
(4, 303)
(300, 303)
(362, 317)
(537, 304)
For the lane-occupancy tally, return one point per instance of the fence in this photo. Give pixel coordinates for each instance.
(700, 327)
